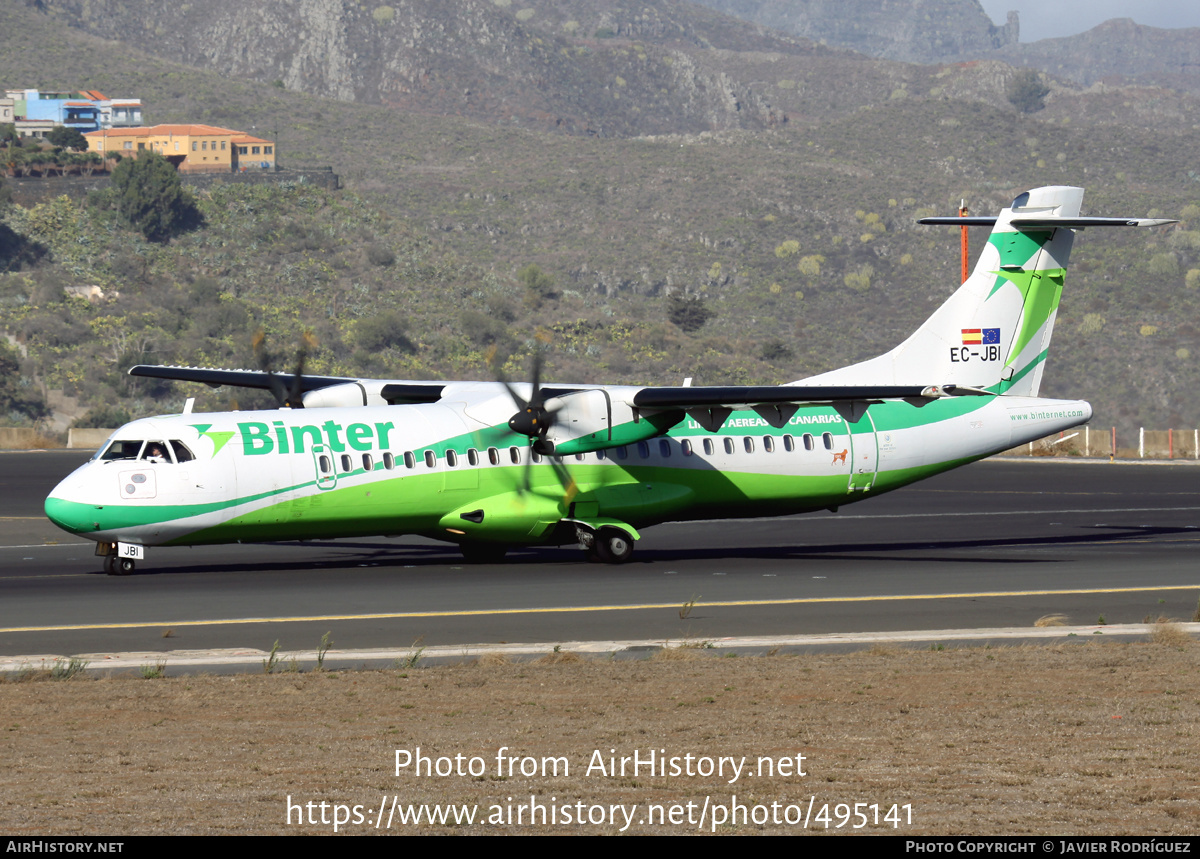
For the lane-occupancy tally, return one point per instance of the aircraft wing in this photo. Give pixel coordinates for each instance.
(235, 378)
(748, 395)
(338, 390)
(357, 392)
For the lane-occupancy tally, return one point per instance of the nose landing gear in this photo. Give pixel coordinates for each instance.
(120, 559)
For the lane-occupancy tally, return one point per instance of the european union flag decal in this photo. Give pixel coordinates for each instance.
(991, 335)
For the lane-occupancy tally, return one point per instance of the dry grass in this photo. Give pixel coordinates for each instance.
(1051, 620)
(493, 659)
(1170, 633)
(677, 653)
(1097, 738)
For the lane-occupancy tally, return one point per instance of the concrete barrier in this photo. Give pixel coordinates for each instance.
(87, 439)
(23, 438)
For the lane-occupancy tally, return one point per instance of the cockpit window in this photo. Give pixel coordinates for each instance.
(123, 449)
(182, 454)
(156, 451)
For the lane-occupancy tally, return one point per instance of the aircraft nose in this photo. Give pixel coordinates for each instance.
(65, 509)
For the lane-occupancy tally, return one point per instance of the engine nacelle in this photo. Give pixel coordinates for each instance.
(347, 395)
(587, 421)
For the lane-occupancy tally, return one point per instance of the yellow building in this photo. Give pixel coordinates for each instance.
(191, 148)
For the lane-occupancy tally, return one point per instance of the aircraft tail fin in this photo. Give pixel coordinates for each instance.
(993, 333)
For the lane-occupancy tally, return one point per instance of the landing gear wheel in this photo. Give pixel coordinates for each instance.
(125, 566)
(483, 553)
(612, 546)
(110, 565)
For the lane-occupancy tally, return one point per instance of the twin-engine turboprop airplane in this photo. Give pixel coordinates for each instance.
(594, 464)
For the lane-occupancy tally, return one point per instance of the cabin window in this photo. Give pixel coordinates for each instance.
(514, 453)
(808, 441)
(534, 455)
(599, 455)
(827, 438)
(708, 447)
(643, 450)
(451, 458)
(472, 456)
(410, 461)
(347, 463)
(664, 448)
(729, 445)
(686, 446)
(748, 443)
(493, 456)
(430, 458)
(622, 452)
(769, 443)
(579, 457)
(368, 462)
(389, 461)
(789, 443)
(324, 464)
(182, 454)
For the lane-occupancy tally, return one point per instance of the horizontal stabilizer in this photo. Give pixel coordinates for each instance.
(955, 221)
(1082, 223)
(1045, 222)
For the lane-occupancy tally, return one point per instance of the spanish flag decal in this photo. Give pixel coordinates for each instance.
(978, 336)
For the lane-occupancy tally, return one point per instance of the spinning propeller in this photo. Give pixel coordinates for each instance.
(534, 419)
(286, 395)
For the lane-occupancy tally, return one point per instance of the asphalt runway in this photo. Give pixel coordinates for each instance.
(995, 544)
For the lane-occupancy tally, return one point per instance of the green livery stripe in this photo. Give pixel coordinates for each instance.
(128, 516)
(1001, 387)
(1018, 248)
(1040, 291)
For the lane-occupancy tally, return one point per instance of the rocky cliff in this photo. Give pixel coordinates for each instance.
(917, 31)
(603, 68)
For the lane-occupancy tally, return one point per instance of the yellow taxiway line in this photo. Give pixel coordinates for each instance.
(594, 608)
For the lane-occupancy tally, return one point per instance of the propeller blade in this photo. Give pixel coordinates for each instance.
(263, 356)
(290, 394)
(295, 397)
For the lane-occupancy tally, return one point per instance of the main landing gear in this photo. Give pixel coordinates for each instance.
(606, 546)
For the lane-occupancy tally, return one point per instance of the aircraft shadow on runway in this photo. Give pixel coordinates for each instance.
(922, 551)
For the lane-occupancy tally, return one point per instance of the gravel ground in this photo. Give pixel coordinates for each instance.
(1094, 737)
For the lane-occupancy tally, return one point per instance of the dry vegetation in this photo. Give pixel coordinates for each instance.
(799, 237)
(1086, 738)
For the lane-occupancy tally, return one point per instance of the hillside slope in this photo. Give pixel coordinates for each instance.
(800, 237)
